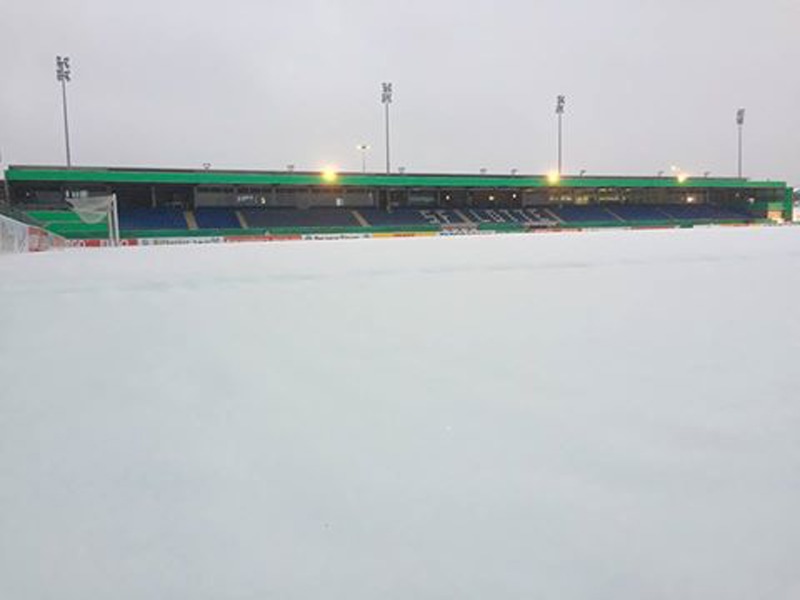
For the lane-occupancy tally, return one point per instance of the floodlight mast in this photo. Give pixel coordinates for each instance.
(560, 102)
(363, 148)
(63, 75)
(386, 99)
(740, 124)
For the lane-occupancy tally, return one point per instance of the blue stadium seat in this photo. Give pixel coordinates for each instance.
(410, 216)
(522, 216)
(291, 217)
(216, 218)
(639, 212)
(583, 214)
(151, 218)
(702, 212)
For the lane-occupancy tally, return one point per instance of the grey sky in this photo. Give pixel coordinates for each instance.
(263, 84)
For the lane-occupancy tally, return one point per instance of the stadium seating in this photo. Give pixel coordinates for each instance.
(638, 212)
(442, 216)
(462, 216)
(702, 212)
(216, 218)
(583, 214)
(522, 216)
(410, 216)
(151, 218)
(290, 217)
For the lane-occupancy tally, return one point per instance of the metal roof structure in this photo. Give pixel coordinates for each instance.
(153, 176)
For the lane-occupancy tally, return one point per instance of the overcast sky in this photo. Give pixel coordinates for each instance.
(247, 84)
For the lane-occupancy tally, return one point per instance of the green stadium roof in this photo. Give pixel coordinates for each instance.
(87, 175)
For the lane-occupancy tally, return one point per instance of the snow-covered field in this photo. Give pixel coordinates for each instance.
(576, 416)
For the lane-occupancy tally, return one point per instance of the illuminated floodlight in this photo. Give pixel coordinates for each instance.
(329, 175)
(689, 199)
(682, 177)
(553, 177)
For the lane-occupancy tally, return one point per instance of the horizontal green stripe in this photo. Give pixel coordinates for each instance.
(90, 175)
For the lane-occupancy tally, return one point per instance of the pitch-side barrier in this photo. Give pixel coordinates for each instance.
(17, 237)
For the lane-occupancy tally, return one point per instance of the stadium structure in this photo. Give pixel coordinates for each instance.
(204, 205)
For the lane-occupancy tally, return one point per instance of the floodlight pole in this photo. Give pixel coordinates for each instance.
(386, 99)
(363, 148)
(740, 124)
(63, 75)
(560, 101)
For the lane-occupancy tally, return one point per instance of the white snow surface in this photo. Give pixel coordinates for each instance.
(607, 415)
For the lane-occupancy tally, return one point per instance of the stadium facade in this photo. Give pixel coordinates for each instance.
(173, 203)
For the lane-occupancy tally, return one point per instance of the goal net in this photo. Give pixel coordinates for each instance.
(97, 209)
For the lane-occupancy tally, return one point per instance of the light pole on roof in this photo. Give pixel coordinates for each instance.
(740, 125)
(560, 102)
(363, 148)
(386, 99)
(63, 75)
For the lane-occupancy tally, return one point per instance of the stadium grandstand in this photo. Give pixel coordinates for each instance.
(166, 203)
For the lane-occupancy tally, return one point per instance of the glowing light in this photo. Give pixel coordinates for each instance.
(689, 199)
(553, 177)
(682, 177)
(329, 175)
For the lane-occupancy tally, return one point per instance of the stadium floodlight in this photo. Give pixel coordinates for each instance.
(582, 173)
(740, 125)
(553, 177)
(63, 75)
(290, 168)
(482, 171)
(514, 172)
(386, 99)
(363, 148)
(329, 175)
(561, 100)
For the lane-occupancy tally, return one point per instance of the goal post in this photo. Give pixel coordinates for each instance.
(96, 209)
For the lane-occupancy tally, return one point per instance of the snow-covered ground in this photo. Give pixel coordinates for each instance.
(575, 416)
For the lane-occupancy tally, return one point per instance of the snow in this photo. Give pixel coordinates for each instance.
(606, 415)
